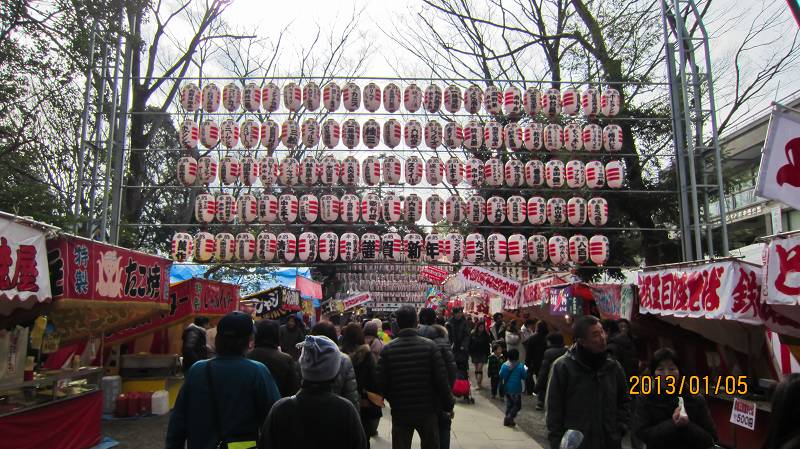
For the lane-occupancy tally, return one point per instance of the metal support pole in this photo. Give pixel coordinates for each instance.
(98, 128)
(84, 130)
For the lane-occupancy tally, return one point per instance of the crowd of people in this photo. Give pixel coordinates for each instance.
(268, 383)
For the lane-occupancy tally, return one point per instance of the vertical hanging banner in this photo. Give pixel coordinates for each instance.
(782, 271)
(779, 174)
(507, 288)
(24, 277)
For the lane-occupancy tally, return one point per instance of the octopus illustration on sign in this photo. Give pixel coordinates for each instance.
(109, 282)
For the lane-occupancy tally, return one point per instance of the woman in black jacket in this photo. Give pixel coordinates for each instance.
(364, 364)
(658, 421)
(479, 345)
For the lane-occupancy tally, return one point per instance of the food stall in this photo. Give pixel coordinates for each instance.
(274, 303)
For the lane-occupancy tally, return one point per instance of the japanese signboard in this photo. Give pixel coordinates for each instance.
(23, 266)
(433, 275)
(491, 281)
(355, 300)
(537, 292)
(782, 271)
(274, 303)
(743, 413)
(779, 175)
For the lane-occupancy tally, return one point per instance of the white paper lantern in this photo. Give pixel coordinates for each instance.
(350, 208)
(270, 134)
(330, 133)
(391, 98)
(189, 134)
(516, 209)
(433, 247)
(292, 97)
(245, 246)
(392, 169)
(496, 210)
(205, 208)
(473, 172)
(434, 170)
(267, 208)
(182, 247)
(209, 134)
(512, 101)
(247, 207)
(453, 247)
(590, 102)
(531, 101)
(554, 174)
(412, 134)
(433, 134)
(493, 100)
(229, 133)
(595, 175)
(493, 172)
(597, 211)
(190, 97)
(534, 173)
(536, 208)
(229, 170)
(329, 170)
(231, 97)
(573, 136)
(615, 174)
(558, 247)
(308, 209)
(207, 169)
(251, 97)
(610, 102)
(287, 246)
(371, 208)
(452, 98)
(328, 247)
(351, 97)
(475, 248)
(348, 246)
(268, 170)
(266, 246)
(493, 135)
(371, 167)
(570, 101)
(271, 97)
(289, 171)
(370, 246)
(350, 171)
(391, 246)
(187, 170)
(287, 208)
(497, 248)
(310, 133)
(612, 138)
(537, 248)
(599, 249)
(473, 135)
(551, 102)
(371, 133)
(311, 96)
(473, 99)
(434, 208)
(331, 96)
(476, 209)
(433, 98)
(575, 173)
(351, 133)
(225, 247)
(514, 173)
(455, 210)
(414, 170)
(226, 208)
(556, 211)
(454, 171)
(290, 134)
(412, 208)
(249, 170)
(514, 136)
(307, 243)
(413, 246)
(412, 98)
(579, 248)
(576, 211)
(453, 135)
(533, 137)
(392, 208)
(517, 248)
(592, 137)
(553, 137)
(205, 246)
(211, 97)
(308, 170)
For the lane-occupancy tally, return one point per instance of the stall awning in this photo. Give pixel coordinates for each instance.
(272, 303)
(24, 280)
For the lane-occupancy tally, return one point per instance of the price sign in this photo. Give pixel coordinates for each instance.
(743, 413)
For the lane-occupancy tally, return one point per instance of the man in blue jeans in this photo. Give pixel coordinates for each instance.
(513, 374)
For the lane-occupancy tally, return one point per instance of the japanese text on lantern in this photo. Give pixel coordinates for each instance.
(25, 272)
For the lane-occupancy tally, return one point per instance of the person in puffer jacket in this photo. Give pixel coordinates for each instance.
(345, 384)
(513, 374)
(436, 332)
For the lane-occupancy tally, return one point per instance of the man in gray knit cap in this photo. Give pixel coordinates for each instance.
(334, 420)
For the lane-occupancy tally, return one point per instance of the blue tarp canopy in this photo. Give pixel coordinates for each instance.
(286, 277)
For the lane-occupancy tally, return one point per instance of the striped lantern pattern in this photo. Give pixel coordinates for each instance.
(473, 172)
(413, 246)
(570, 101)
(251, 97)
(615, 174)
(537, 248)
(182, 247)
(287, 208)
(537, 210)
(476, 209)
(434, 170)
(475, 248)
(245, 246)
(392, 133)
(558, 248)
(556, 211)
(554, 174)
(308, 208)
(287, 247)
(391, 98)
(412, 208)
(266, 246)
(187, 170)
(209, 134)
(225, 247)
(551, 102)
(576, 211)
(205, 208)
(493, 100)
(496, 210)
(534, 173)
(531, 101)
(514, 173)
(599, 249)
(412, 134)
(432, 99)
(229, 170)
(268, 170)
(311, 96)
(516, 209)
(231, 97)
(590, 102)
(328, 246)
(597, 211)
(371, 133)
(575, 173)
(391, 246)
(248, 175)
(579, 248)
(351, 171)
(331, 132)
(533, 137)
(595, 175)
(455, 209)
(290, 134)
(453, 247)
(371, 169)
(372, 97)
(493, 135)
(497, 248)
(473, 135)
(513, 135)
(247, 207)
(348, 245)
(610, 102)
(412, 98)
(292, 97)
(271, 97)
(370, 208)
(493, 172)
(592, 137)
(189, 134)
(308, 170)
(329, 208)
(434, 208)
(433, 247)
(349, 208)
(226, 208)
(454, 171)
(452, 99)
(573, 137)
(553, 137)
(267, 208)
(473, 99)
(229, 133)
(414, 170)
(351, 133)
(307, 244)
(433, 134)
(517, 248)
(392, 169)
(329, 170)
(331, 96)
(270, 134)
(289, 171)
(205, 245)
(612, 138)
(370, 246)
(512, 101)
(392, 208)
(190, 97)
(309, 133)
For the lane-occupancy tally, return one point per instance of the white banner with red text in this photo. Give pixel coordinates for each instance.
(492, 282)
(24, 272)
(355, 300)
(779, 175)
(782, 273)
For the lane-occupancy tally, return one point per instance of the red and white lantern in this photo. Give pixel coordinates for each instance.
(290, 134)
(579, 248)
(570, 101)
(455, 209)
(414, 170)
(268, 170)
(434, 208)
(514, 136)
(496, 210)
(412, 133)
(576, 174)
(590, 102)
(534, 173)
(556, 211)
(330, 133)
(311, 96)
(309, 133)
(211, 97)
(615, 174)
(514, 173)
(432, 100)
(331, 96)
(576, 211)
(597, 211)
(371, 208)
(537, 212)
(610, 102)
(230, 133)
(189, 134)
(453, 247)
(433, 134)
(592, 137)
(205, 208)
(391, 98)
(225, 246)
(473, 99)
(475, 248)
(391, 246)
(370, 246)
(413, 246)
(271, 97)
(267, 208)
(512, 101)
(205, 245)
(517, 248)
(245, 246)
(531, 101)
(329, 170)
(287, 246)
(307, 243)
(292, 97)
(473, 172)
(454, 171)
(309, 170)
(452, 98)
(270, 134)
(573, 137)
(371, 167)
(371, 133)
(412, 98)
(476, 209)
(392, 169)
(516, 209)
(558, 247)
(226, 208)
(612, 138)
(349, 208)
(554, 174)
(289, 171)
(493, 100)
(412, 208)
(473, 135)
(247, 207)
(251, 97)
(595, 175)
(190, 97)
(229, 170)
(351, 97)
(351, 133)
(266, 246)
(553, 137)
(287, 208)
(493, 172)
(551, 102)
(533, 137)
(599, 249)
(348, 246)
(434, 170)
(328, 247)
(372, 97)
(187, 170)
(308, 210)
(537, 248)
(392, 208)
(493, 135)
(433, 247)
(392, 133)
(497, 248)
(249, 172)
(182, 247)
(351, 171)
(231, 97)
(209, 134)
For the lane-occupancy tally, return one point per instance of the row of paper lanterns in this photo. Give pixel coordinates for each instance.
(330, 247)
(513, 101)
(407, 285)
(392, 209)
(330, 171)
(473, 136)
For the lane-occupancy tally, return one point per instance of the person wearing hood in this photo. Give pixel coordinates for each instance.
(345, 384)
(282, 366)
(436, 332)
(555, 349)
(194, 346)
(287, 425)
(290, 335)
(512, 375)
(372, 336)
(364, 364)
(588, 391)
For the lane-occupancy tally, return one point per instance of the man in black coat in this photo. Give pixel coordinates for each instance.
(555, 349)
(587, 391)
(458, 330)
(194, 346)
(281, 365)
(413, 378)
